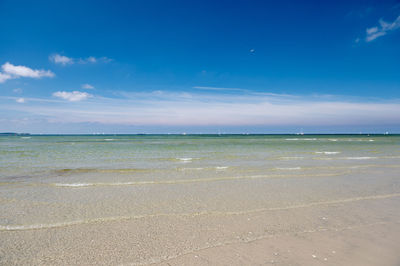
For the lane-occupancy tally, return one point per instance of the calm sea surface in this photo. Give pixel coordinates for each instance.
(56, 181)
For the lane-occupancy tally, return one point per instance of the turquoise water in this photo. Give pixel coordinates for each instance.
(52, 181)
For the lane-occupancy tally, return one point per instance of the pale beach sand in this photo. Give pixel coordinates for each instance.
(354, 232)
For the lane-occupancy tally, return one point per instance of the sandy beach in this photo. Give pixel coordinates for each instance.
(354, 232)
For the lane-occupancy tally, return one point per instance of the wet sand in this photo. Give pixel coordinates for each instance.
(351, 231)
(373, 244)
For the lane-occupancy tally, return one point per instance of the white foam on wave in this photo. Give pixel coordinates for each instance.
(359, 140)
(74, 185)
(64, 224)
(25, 137)
(185, 160)
(288, 168)
(191, 180)
(77, 185)
(193, 168)
(327, 152)
(33, 226)
(174, 181)
(109, 139)
(221, 167)
(359, 158)
(333, 139)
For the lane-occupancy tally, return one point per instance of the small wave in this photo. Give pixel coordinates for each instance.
(288, 168)
(302, 139)
(221, 167)
(291, 158)
(62, 224)
(94, 170)
(185, 160)
(77, 185)
(25, 137)
(109, 139)
(333, 139)
(323, 158)
(360, 158)
(359, 140)
(327, 152)
(193, 180)
(192, 168)
(74, 185)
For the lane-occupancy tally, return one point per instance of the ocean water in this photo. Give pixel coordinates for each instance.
(59, 181)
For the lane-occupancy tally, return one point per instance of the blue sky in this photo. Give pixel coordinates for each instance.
(199, 66)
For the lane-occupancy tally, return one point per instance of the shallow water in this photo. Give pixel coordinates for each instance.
(55, 181)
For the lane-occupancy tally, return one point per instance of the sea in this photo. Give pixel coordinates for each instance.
(56, 181)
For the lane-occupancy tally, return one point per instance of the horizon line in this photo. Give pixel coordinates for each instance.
(192, 134)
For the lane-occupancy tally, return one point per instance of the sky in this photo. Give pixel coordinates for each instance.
(83, 67)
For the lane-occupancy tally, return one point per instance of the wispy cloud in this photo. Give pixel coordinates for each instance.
(191, 109)
(64, 60)
(74, 96)
(10, 71)
(61, 59)
(92, 60)
(20, 100)
(382, 29)
(218, 89)
(87, 86)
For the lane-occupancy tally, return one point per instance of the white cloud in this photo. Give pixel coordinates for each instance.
(61, 59)
(373, 36)
(23, 71)
(390, 26)
(20, 100)
(87, 86)
(64, 60)
(11, 71)
(372, 30)
(4, 77)
(381, 30)
(74, 96)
